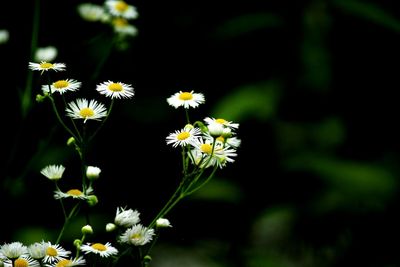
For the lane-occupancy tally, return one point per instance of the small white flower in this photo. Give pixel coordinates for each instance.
(186, 99)
(54, 253)
(137, 235)
(162, 222)
(184, 137)
(220, 121)
(120, 8)
(62, 86)
(123, 27)
(48, 54)
(92, 172)
(53, 172)
(69, 262)
(45, 66)
(37, 250)
(126, 218)
(104, 250)
(4, 36)
(23, 260)
(91, 12)
(73, 193)
(115, 89)
(13, 250)
(86, 110)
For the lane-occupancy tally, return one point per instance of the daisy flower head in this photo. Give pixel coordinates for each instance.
(73, 193)
(104, 250)
(162, 223)
(211, 121)
(86, 110)
(119, 8)
(93, 172)
(53, 172)
(37, 250)
(22, 261)
(62, 86)
(137, 235)
(45, 66)
(184, 137)
(69, 262)
(92, 12)
(186, 99)
(126, 218)
(54, 253)
(13, 250)
(123, 27)
(115, 89)
(48, 53)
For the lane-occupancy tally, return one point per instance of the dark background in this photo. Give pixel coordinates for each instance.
(313, 85)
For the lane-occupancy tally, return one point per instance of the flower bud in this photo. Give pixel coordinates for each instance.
(77, 243)
(87, 229)
(71, 141)
(162, 223)
(216, 129)
(92, 200)
(110, 227)
(92, 172)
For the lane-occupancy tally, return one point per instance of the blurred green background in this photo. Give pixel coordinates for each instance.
(313, 85)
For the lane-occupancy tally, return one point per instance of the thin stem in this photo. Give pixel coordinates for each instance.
(71, 214)
(103, 122)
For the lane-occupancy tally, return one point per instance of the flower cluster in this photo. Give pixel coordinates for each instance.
(208, 144)
(116, 13)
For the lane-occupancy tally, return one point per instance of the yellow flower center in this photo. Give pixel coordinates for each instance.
(50, 251)
(86, 112)
(206, 148)
(183, 136)
(46, 65)
(99, 247)
(63, 263)
(20, 262)
(221, 139)
(136, 236)
(74, 192)
(221, 121)
(115, 87)
(185, 96)
(121, 6)
(120, 22)
(60, 84)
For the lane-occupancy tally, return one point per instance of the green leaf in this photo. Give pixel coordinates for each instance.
(370, 12)
(247, 23)
(254, 100)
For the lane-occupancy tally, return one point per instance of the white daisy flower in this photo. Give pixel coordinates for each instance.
(186, 99)
(13, 250)
(73, 193)
(184, 137)
(22, 261)
(207, 156)
(86, 110)
(137, 235)
(53, 172)
(115, 89)
(126, 218)
(123, 27)
(92, 12)
(231, 141)
(220, 121)
(120, 8)
(92, 172)
(4, 36)
(69, 262)
(104, 250)
(48, 53)
(45, 66)
(162, 222)
(55, 253)
(37, 250)
(62, 86)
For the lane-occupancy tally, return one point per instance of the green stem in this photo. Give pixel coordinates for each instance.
(71, 214)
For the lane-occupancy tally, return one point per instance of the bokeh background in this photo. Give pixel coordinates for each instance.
(312, 83)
